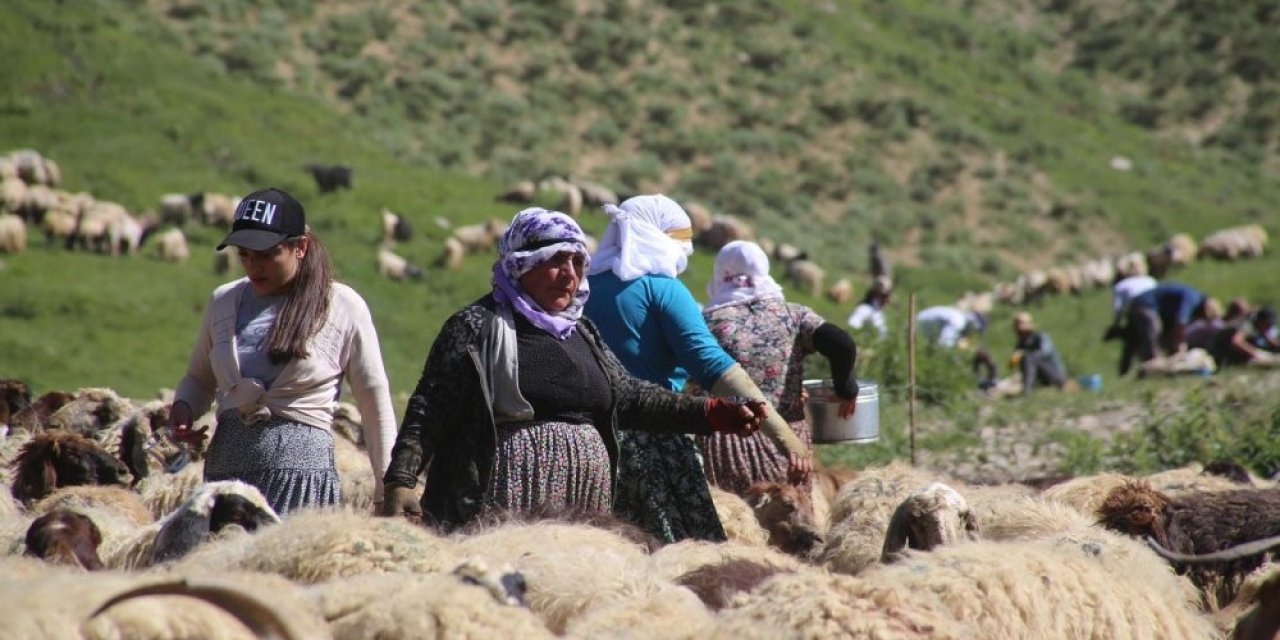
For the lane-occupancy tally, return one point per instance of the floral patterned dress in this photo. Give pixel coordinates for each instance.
(770, 338)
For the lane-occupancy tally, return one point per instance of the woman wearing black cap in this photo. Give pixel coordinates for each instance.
(273, 351)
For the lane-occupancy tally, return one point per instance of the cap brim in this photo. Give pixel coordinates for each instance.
(253, 239)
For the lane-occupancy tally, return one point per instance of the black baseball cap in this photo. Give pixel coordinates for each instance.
(264, 219)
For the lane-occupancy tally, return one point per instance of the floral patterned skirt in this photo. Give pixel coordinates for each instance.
(289, 462)
(551, 467)
(661, 488)
(734, 463)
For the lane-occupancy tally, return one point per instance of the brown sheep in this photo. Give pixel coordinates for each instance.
(786, 513)
(63, 536)
(36, 415)
(15, 396)
(840, 292)
(1197, 523)
(52, 460)
(716, 584)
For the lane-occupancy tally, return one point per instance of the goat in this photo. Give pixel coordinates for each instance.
(787, 514)
(1197, 523)
(52, 460)
(329, 178)
(63, 536)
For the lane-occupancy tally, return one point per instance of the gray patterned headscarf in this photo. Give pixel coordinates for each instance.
(535, 236)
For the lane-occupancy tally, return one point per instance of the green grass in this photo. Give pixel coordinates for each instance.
(837, 127)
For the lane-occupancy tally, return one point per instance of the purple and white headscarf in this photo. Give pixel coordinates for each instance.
(535, 236)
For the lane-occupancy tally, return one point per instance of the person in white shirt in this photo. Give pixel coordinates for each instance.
(871, 309)
(945, 325)
(1125, 290)
(273, 351)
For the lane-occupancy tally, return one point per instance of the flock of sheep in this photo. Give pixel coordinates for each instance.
(30, 199)
(1235, 243)
(103, 536)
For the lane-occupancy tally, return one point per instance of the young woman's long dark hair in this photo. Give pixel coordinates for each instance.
(306, 304)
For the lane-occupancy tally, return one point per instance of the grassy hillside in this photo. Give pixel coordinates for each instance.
(971, 139)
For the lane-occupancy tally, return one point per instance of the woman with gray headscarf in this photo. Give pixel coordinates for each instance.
(520, 402)
(652, 322)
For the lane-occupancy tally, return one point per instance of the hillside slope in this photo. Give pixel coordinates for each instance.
(947, 132)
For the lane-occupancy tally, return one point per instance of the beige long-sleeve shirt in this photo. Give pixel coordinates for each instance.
(306, 389)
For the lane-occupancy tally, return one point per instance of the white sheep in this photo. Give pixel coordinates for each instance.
(13, 234)
(164, 492)
(570, 568)
(1089, 586)
(931, 517)
(127, 504)
(1247, 241)
(210, 509)
(395, 227)
(13, 195)
(861, 514)
(313, 545)
(807, 275)
(840, 292)
(452, 253)
(418, 606)
(175, 208)
(1131, 264)
(723, 230)
(595, 194)
(475, 238)
(675, 560)
(104, 605)
(58, 224)
(172, 246)
(396, 267)
(218, 209)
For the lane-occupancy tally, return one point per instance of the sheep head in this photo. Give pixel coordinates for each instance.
(213, 507)
(66, 537)
(1136, 509)
(52, 460)
(505, 584)
(787, 514)
(930, 517)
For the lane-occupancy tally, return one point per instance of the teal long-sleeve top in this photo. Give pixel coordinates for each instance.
(656, 329)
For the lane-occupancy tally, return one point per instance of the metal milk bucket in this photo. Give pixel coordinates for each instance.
(823, 409)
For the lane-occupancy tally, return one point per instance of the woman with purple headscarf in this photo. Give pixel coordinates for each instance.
(519, 404)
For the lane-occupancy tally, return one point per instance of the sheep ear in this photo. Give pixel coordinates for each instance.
(179, 535)
(971, 526)
(895, 538)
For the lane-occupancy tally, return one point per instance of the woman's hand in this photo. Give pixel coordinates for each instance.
(181, 428)
(799, 466)
(733, 416)
(403, 501)
(847, 408)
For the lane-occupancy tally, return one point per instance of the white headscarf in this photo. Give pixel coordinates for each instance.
(741, 275)
(637, 243)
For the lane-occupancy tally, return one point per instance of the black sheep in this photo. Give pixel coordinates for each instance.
(329, 178)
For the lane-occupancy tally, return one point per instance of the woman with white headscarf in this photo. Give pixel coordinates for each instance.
(651, 321)
(770, 338)
(520, 404)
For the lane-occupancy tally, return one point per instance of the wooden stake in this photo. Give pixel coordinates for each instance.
(911, 374)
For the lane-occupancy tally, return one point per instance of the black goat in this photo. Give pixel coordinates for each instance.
(329, 178)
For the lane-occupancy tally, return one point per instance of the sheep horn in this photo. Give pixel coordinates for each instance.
(1226, 555)
(252, 612)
